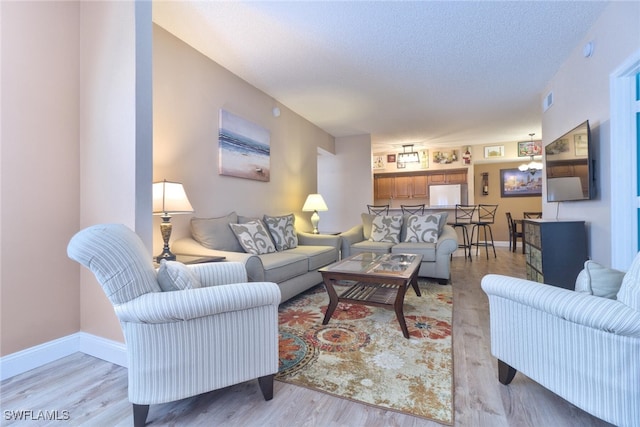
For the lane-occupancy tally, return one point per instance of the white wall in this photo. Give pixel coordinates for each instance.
(581, 92)
(346, 183)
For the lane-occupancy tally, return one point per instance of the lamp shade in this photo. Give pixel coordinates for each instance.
(170, 197)
(314, 202)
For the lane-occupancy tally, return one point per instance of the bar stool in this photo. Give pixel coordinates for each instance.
(464, 216)
(378, 209)
(413, 209)
(486, 217)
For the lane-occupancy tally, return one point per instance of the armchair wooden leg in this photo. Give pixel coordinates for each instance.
(505, 373)
(140, 413)
(266, 386)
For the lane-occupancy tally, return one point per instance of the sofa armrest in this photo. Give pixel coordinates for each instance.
(310, 239)
(177, 306)
(607, 315)
(252, 263)
(351, 236)
(447, 241)
(219, 273)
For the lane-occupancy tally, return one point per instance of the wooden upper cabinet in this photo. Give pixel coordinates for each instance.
(420, 186)
(414, 185)
(456, 178)
(383, 187)
(403, 187)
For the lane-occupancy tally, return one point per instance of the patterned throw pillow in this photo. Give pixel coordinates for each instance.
(282, 231)
(386, 228)
(175, 276)
(422, 228)
(253, 237)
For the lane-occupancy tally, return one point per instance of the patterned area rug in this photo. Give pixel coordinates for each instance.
(361, 354)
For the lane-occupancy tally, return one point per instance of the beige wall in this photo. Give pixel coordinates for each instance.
(189, 90)
(581, 92)
(515, 205)
(40, 292)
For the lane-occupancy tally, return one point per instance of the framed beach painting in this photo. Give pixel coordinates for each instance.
(244, 148)
(516, 183)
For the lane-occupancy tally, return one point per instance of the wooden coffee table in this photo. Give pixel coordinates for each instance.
(379, 280)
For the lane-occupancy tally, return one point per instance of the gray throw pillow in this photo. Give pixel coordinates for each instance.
(214, 233)
(422, 228)
(386, 228)
(175, 276)
(282, 231)
(253, 237)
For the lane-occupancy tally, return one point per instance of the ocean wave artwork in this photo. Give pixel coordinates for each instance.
(244, 148)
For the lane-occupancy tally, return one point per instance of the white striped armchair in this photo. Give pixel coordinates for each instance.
(186, 342)
(583, 347)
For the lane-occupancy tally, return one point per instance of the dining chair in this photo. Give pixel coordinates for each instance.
(514, 233)
(378, 209)
(486, 218)
(532, 215)
(463, 218)
(413, 209)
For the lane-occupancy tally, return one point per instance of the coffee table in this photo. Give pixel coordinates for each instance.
(379, 280)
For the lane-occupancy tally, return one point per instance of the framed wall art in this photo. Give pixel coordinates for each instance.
(516, 183)
(494, 151)
(244, 148)
(529, 148)
(391, 158)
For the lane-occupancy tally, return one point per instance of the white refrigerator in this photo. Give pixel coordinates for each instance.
(448, 195)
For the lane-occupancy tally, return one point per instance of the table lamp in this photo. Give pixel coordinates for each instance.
(314, 203)
(169, 198)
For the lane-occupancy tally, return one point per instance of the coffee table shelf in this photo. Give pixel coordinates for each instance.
(381, 293)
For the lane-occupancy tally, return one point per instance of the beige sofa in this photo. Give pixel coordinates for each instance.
(436, 255)
(294, 269)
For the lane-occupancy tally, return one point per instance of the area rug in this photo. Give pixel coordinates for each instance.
(362, 355)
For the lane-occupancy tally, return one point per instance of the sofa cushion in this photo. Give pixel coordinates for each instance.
(318, 256)
(253, 237)
(629, 293)
(175, 276)
(422, 228)
(427, 250)
(369, 246)
(214, 233)
(281, 266)
(367, 219)
(282, 231)
(598, 280)
(386, 228)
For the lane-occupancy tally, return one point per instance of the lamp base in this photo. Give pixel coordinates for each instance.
(315, 219)
(165, 231)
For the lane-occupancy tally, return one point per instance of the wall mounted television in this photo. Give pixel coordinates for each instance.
(569, 166)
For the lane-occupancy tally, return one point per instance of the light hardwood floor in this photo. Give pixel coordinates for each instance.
(95, 392)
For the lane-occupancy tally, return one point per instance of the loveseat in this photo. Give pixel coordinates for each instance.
(427, 235)
(583, 345)
(269, 248)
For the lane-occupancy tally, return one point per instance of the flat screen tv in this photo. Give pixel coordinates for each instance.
(568, 167)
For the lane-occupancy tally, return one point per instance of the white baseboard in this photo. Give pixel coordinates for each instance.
(34, 357)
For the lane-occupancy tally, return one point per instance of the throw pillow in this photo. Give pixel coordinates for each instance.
(282, 231)
(214, 233)
(175, 276)
(253, 237)
(629, 293)
(386, 228)
(598, 280)
(422, 228)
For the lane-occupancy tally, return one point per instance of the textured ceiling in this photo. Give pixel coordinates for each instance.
(432, 73)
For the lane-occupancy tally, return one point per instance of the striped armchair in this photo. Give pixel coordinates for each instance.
(582, 347)
(186, 342)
